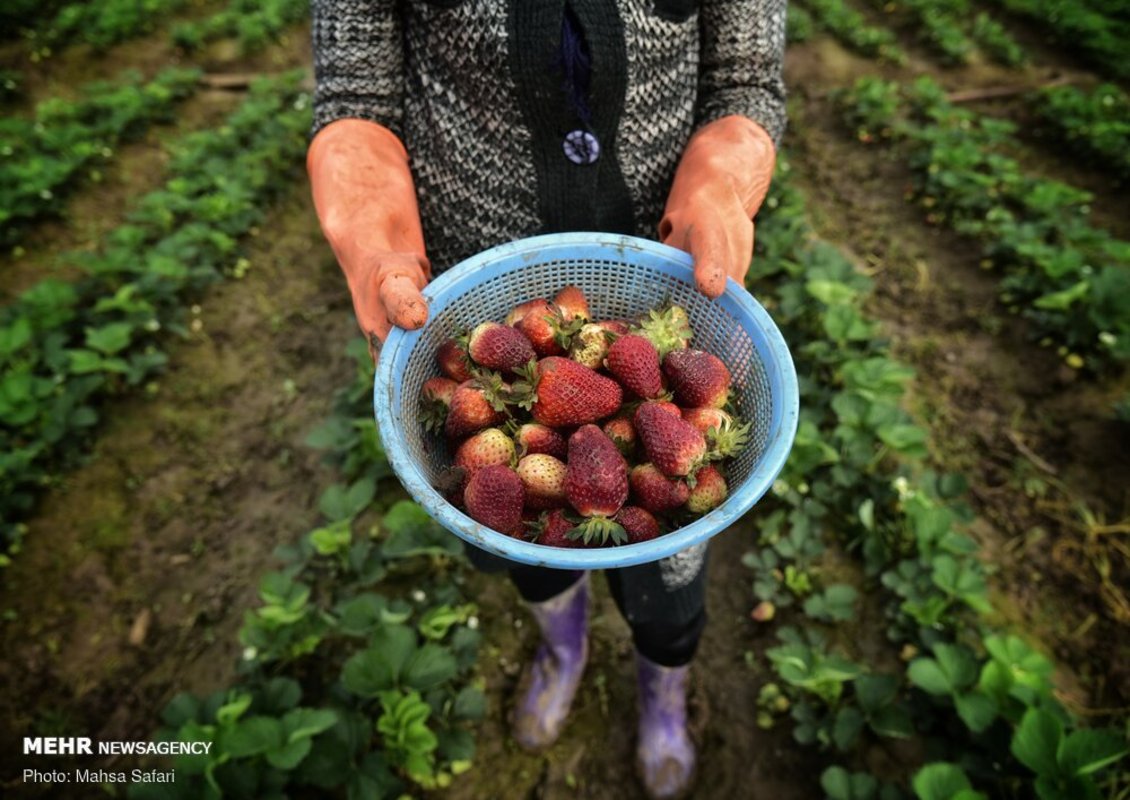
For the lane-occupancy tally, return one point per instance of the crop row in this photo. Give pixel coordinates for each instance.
(950, 28)
(103, 23)
(979, 702)
(357, 665)
(66, 140)
(1097, 29)
(254, 24)
(1069, 278)
(850, 27)
(1095, 124)
(65, 346)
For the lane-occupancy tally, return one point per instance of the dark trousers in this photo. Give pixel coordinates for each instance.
(666, 622)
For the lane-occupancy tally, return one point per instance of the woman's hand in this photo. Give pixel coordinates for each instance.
(720, 183)
(366, 203)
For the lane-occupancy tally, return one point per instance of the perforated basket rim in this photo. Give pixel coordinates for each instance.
(451, 286)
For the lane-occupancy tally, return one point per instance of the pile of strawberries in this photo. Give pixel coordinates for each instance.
(573, 433)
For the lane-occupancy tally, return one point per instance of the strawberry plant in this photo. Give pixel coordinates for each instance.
(102, 23)
(47, 155)
(1095, 124)
(856, 483)
(1066, 276)
(799, 24)
(254, 24)
(1097, 31)
(851, 28)
(66, 346)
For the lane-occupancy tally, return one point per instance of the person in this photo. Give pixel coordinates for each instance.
(445, 127)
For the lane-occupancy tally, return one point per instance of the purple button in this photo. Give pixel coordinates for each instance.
(581, 147)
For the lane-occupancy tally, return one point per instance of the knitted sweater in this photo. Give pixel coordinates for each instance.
(475, 89)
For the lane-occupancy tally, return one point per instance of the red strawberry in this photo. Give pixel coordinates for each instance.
(553, 530)
(522, 309)
(452, 359)
(533, 438)
(708, 492)
(617, 327)
(572, 302)
(654, 491)
(498, 347)
(723, 438)
(547, 331)
(699, 379)
(596, 483)
(704, 419)
(560, 392)
(669, 407)
(544, 479)
(634, 361)
(590, 345)
(494, 497)
(486, 448)
(638, 523)
(435, 399)
(622, 434)
(668, 329)
(475, 406)
(672, 444)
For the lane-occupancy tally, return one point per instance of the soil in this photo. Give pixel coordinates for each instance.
(138, 566)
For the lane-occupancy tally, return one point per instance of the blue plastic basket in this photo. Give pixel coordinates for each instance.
(622, 276)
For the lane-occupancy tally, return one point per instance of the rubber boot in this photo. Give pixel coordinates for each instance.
(665, 755)
(550, 683)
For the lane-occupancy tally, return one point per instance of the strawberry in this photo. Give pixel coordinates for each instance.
(547, 331)
(494, 497)
(708, 492)
(572, 302)
(544, 479)
(533, 438)
(669, 407)
(453, 362)
(654, 491)
(617, 327)
(699, 379)
(704, 419)
(622, 434)
(638, 523)
(634, 361)
(672, 443)
(476, 404)
(590, 346)
(668, 329)
(498, 347)
(596, 484)
(435, 399)
(522, 309)
(486, 448)
(552, 530)
(560, 392)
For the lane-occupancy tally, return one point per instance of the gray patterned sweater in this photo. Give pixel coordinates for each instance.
(474, 88)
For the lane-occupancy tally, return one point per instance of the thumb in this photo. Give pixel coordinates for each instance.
(403, 302)
(708, 247)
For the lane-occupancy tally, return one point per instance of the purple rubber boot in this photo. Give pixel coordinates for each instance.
(549, 684)
(665, 754)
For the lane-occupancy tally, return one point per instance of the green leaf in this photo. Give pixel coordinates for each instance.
(341, 503)
(183, 708)
(1087, 751)
(976, 710)
(1062, 300)
(234, 708)
(412, 532)
(849, 722)
(927, 674)
(253, 736)
(875, 691)
(333, 538)
(289, 755)
(470, 704)
(279, 695)
(430, 666)
(1036, 741)
(303, 723)
(940, 781)
(958, 663)
(109, 339)
(378, 668)
(836, 782)
(361, 614)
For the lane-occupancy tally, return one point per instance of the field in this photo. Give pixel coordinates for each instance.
(201, 539)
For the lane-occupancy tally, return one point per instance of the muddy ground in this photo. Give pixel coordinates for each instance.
(138, 566)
